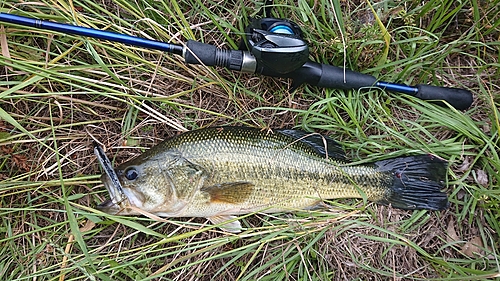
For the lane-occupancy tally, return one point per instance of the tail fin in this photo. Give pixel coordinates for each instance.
(417, 182)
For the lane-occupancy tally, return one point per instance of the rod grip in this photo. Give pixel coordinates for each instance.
(209, 55)
(198, 53)
(460, 99)
(333, 77)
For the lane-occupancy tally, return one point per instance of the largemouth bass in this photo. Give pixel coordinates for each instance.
(221, 172)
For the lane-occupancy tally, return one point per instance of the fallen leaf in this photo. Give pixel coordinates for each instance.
(6, 150)
(465, 165)
(473, 247)
(482, 178)
(21, 161)
(452, 234)
(89, 225)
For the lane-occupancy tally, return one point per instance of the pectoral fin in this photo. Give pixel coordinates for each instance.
(234, 226)
(232, 193)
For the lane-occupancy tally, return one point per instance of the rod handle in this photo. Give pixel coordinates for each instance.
(345, 79)
(460, 99)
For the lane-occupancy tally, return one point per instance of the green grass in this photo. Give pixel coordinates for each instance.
(60, 92)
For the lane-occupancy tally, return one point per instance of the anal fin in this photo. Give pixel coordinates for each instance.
(224, 223)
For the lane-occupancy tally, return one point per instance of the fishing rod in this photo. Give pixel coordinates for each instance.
(272, 47)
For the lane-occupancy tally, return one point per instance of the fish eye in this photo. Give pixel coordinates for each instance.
(131, 173)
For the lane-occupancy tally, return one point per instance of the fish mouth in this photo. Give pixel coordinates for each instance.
(111, 183)
(112, 205)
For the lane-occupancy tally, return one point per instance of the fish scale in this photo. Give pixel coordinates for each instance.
(225, 171)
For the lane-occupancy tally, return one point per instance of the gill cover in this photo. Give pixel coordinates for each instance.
(162, 184)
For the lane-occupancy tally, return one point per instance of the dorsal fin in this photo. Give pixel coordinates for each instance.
(322, 145)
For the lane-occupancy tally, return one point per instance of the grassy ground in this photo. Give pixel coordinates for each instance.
(60, 92)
